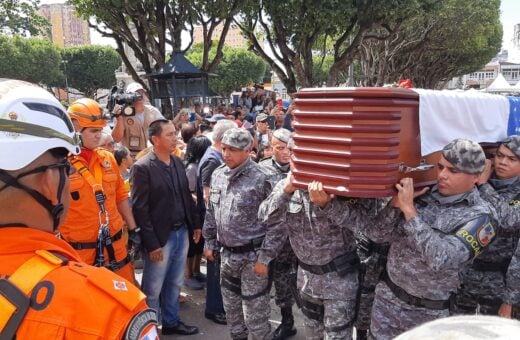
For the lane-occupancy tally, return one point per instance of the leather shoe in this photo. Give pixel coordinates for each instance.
(180, 328)
(219, 318)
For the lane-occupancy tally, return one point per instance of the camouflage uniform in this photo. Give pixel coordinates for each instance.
(373, 263)
(286, 263)
(318, 237)
(428, 251)
(495, 276)
(484, 283)
(512, 293)
(231, 221)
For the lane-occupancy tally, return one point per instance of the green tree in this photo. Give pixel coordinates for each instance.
(237, 68)
(21, 17)
(457, 38)
(150, 28)
(293, 29)
(89, 68)
(32, 59)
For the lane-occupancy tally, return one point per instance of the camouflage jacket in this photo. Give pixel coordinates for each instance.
(235, 196)
(504, 195)
(317, 235)
(275, 171)
(426, 255)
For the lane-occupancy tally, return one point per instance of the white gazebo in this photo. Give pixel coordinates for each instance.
(500, 85)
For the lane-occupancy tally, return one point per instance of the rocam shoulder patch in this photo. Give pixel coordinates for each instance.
(143, 326)
(477, 234)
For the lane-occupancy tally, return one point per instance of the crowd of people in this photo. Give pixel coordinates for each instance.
(218, 185)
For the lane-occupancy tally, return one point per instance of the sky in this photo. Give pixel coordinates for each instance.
(510, 15)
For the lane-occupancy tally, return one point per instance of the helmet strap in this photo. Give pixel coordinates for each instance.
(54, 210)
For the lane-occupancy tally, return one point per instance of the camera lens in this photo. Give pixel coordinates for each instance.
(128, 111)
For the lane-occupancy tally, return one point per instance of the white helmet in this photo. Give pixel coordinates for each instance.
(32, 121)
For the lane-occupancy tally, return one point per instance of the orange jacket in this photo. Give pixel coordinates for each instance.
(82, 221)
(84, 303)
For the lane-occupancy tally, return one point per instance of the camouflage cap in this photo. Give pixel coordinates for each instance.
(238, 138)
(261, 117)
(283, 135)
(513, 144)
(465, 155)
(290, 144)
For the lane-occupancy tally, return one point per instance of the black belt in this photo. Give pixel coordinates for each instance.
(350, 260)
(484, 266)
(246, 248)
(414, 300)
(93, 245)
(177, 226)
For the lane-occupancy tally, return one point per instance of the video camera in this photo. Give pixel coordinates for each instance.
(125, 100)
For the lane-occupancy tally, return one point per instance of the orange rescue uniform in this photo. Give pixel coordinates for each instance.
(82, 221)
(75, 300)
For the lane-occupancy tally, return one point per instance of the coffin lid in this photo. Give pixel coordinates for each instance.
(357, 92)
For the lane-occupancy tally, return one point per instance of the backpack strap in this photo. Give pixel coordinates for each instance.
(15, 291)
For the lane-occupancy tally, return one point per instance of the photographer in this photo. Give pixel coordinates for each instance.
(132, 129)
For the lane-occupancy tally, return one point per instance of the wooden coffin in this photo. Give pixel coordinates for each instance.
(359, 142)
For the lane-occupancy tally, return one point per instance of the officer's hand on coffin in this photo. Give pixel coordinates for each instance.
(317, 195)
(405, 196)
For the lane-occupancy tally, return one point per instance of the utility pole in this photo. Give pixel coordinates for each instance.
(66, 80)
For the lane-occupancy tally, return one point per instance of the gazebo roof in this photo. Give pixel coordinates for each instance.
(177, 66)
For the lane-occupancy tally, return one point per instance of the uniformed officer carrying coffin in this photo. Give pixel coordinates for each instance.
(431, 241)
(491, 285)
(285, 265)
(322, 239)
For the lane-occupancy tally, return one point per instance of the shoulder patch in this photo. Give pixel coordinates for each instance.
(120, 290)
(477, 234)
(143, 326)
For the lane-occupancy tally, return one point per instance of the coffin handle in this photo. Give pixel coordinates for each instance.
(423, 166)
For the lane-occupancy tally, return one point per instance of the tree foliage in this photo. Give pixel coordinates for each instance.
(237, 68)
(31, 59)
(293, 30)
(455, 38)
(152, 28)
(20, 17)
(89, 68)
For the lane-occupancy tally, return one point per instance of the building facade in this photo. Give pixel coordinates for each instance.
(233, 38)
(66, 28)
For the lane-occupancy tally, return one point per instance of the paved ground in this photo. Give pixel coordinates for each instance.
(192, 313)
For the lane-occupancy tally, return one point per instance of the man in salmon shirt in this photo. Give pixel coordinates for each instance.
(99, 199)
(46, 291)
